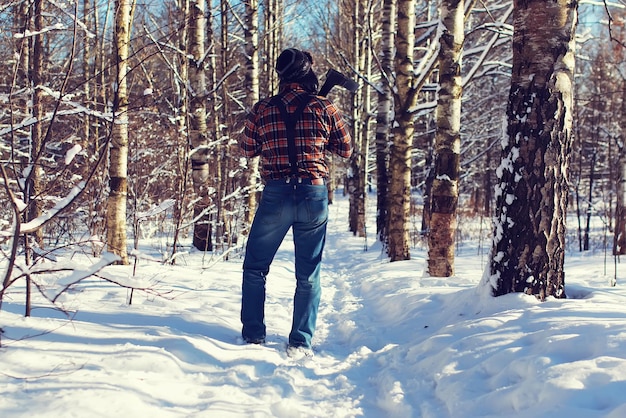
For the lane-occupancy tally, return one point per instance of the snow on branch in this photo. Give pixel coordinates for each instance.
(80, 275)
(78, 109)
(155, 210)
(28, 33)
(38, 222)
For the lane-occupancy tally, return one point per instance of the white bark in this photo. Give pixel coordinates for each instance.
(118, 159)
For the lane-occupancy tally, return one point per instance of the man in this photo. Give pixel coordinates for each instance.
(291, 132)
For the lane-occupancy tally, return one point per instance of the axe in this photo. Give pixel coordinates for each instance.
(335, 78)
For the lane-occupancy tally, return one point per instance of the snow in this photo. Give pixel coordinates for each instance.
(71, 153)
(391, 341)
(47, 215)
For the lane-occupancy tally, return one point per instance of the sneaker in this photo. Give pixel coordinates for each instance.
(297, 353)
(254, 340)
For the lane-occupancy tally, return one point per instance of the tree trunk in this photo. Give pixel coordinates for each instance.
(272, 42)
(361, 117)
(227, 163)
(529, 238)
(445, 188)
(198, 135)
(400, 157)
(87, 68)
(118, 159)
(219, 145)
(619, 246)
(33, 182)
(384, 119)
(592, 165)
(355, 175)
(251, 34)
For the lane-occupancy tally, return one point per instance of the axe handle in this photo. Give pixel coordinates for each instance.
(325, 89)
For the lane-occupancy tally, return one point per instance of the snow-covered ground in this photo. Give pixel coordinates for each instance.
(390, 342)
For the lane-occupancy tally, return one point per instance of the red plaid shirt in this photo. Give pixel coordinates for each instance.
(320, 128)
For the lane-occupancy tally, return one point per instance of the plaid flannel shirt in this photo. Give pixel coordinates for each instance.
(320, 128)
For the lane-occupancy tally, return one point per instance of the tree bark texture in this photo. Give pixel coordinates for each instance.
(619, 246)
(118, 158)
(400, 156)
(251, 34)
(272, 45)
(198, 135)
(384, 119)
(35, 169)
(445, 187)
(215, 134)
(531, 197)
(228, 164)
(361, 116)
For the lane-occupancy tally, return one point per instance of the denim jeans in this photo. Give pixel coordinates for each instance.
(304, 208)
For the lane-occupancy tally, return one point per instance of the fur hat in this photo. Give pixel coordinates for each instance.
(293, 64)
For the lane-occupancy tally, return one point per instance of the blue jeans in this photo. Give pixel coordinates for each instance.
(304, 208)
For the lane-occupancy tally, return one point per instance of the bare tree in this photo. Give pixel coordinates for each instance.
(445, 189)
(361, 62)
(400, 156)
(198, 135)
(384, 117)
(619, 241)
(272, 42)
(251, 32)
(34, 178)
(529, 238)
(118, 159)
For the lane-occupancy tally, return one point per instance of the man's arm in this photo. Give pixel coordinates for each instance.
(250, 143)
(340, 141)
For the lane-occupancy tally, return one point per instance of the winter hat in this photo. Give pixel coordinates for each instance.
(293, 64)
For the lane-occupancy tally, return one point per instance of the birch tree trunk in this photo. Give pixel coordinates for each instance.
(352, 178)
(384, 118)
(198, 135)
(272, 44)
(251, 35)
(445, 188)
(360, 115)
(619, 246)
(87, 67)
(400, 156)
(227, 164)
(216, 151)
(529, 238)
(118, 159)
(366, 119)
(35, 170)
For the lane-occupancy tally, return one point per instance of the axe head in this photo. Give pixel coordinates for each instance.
(335, 78)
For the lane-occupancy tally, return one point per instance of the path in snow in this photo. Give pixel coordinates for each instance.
(182, 356)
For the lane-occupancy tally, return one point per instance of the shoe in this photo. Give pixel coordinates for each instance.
(254, 340)
(297, 353)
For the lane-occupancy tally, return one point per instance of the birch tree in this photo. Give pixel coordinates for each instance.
(529, 237)
(384, 117)
(216, 151)
(445, 188)
(619, 239)
(400, 155)
(360, 116)
(118, 158)
(198, 135)
(251, 34)
(272, 42)
(33, 183)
